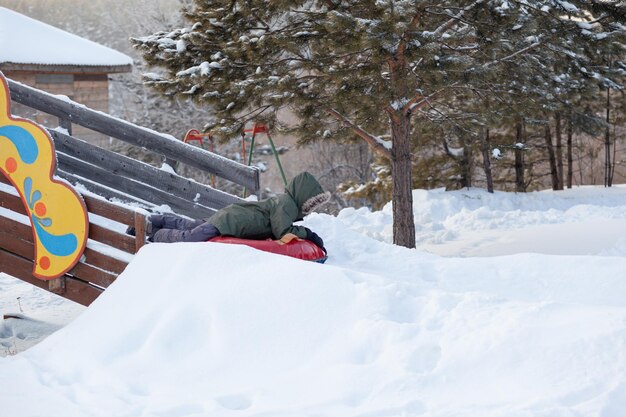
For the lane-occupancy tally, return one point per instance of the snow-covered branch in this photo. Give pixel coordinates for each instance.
(514, 54)
(453, 20)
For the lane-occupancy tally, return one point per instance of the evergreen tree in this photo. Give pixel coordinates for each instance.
(548, 84)
(370, 68)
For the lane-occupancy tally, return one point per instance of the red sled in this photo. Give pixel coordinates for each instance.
(297, 248)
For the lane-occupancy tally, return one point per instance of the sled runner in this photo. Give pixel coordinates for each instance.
(297, 248)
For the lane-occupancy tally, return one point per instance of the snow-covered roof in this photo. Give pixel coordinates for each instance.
(27, 41)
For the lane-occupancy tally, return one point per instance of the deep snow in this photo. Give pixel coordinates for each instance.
(489, 329)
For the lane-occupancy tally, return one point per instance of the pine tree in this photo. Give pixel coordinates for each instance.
(345, 68)
(549, 83)
(567, 78)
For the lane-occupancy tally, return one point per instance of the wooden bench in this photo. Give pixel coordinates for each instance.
(108, 251)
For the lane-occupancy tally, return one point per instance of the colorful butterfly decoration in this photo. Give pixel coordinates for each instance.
(57, 213)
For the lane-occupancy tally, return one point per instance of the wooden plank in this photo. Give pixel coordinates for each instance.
(104, 262)
(144, 173)
(134, 188)
(112, 238)
(93, 275)
(109, 210)
(19, 267)
(133, 134)
(101, 190)
(16, 245)
(140, 231)
(16, 229)
(81, 292)
(12, 202)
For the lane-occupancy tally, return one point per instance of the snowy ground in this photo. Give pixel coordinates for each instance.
(32, 314)
(512, 305)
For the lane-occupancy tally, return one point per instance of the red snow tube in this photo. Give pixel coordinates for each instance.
(297, 248)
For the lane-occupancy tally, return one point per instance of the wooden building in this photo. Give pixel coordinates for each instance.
(45, 57)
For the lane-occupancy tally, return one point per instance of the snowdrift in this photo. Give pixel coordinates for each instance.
(225, 330)
(218, 330)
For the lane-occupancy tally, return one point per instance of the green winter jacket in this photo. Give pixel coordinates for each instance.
(270, 218)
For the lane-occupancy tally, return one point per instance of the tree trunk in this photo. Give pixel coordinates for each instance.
(559, 150)
(486, 146)
(570, 157)
(466, 171)
(608, 177)
(401, 163)
(553, 170)
(403, 222)
(520, 186)
(612, 172)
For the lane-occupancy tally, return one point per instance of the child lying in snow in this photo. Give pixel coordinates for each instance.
(270, 218)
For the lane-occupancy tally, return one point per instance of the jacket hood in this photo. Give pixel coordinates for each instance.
(304, 187)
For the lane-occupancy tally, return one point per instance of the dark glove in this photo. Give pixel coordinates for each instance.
(313, 237)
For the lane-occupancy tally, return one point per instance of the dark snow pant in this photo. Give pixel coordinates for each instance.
(170, 228)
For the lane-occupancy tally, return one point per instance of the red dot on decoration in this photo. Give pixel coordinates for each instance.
(44, 262)
(40, 209)
(11, 165)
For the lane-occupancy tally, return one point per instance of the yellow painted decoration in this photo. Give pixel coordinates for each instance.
(57, 212)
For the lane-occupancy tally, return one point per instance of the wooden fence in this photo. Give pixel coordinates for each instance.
(108, 175)
(113, 175)
(107, 253)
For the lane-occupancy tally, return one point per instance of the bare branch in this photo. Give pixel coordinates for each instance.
(419, 101)
(371, 140)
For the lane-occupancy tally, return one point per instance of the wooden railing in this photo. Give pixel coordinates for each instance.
(107, 253)
(113, 175)
(103, 174)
